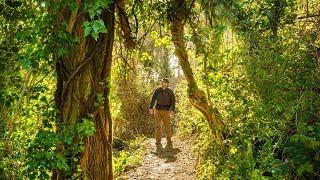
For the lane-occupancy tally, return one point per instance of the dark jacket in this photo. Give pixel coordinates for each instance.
(165, 99)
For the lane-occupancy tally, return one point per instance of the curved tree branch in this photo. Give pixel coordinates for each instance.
(125, 25)
(196, 96)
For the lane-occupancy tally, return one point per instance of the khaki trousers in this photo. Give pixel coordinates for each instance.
(162, 117)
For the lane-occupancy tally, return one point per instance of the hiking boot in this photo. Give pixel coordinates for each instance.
(158, 148)
(169, 145)
(158, 143)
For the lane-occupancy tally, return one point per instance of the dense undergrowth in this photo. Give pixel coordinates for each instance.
(129, 157)
(259, 62)
(270, 103)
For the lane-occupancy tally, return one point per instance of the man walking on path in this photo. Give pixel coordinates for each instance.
(164, 101)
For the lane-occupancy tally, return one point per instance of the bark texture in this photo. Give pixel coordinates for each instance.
(197, 97)
(83, 75)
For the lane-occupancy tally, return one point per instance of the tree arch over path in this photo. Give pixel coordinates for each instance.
(83, 73)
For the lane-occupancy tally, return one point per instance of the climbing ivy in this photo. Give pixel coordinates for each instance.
(258, 61)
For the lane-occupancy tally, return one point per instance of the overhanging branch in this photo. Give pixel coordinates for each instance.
(125, 25)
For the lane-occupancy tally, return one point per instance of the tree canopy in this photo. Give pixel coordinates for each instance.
(77, 78)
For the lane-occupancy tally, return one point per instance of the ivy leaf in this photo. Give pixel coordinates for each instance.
(62, 35)
(305, 168)
(86, 128)
(73, 7)
(91, 13)
(61, 52)
(25, 62)
(87, 28)
(69, 140)
(95, 35)
(21, 35)
(99, 26)
(95, 26)
(62, 163)
(98, 11)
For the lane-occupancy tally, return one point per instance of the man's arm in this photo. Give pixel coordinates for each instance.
(153, 100)
(173, 101)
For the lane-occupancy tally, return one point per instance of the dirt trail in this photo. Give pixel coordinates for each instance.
(179, 163)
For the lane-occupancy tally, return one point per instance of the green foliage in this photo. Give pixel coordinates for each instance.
(21, 86)
(95, 8)
(95, 25)
(132, 103)
(86, 128)
(42, 156)
(31, 42)
(93, 28)
(262, 111)
(303, 150)
(256, 59)
(129, 158)
(262, 76)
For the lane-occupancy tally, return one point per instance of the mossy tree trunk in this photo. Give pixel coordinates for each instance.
(83, 77)
(197, 96)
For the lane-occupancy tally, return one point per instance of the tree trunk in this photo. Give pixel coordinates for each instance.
(83, 76)
(196, 96)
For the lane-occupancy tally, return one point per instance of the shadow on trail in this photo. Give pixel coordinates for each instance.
(169, 155)
(178, 162)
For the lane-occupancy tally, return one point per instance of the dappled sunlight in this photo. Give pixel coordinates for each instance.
(178, 163)
(165, 89)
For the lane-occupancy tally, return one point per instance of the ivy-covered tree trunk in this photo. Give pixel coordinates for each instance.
(197, 96)
(83, 90)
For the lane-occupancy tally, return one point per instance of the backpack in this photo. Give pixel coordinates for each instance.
(163, 97)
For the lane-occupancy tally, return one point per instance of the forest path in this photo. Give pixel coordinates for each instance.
(179, 163)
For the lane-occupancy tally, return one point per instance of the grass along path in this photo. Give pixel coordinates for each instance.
(179, 163)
